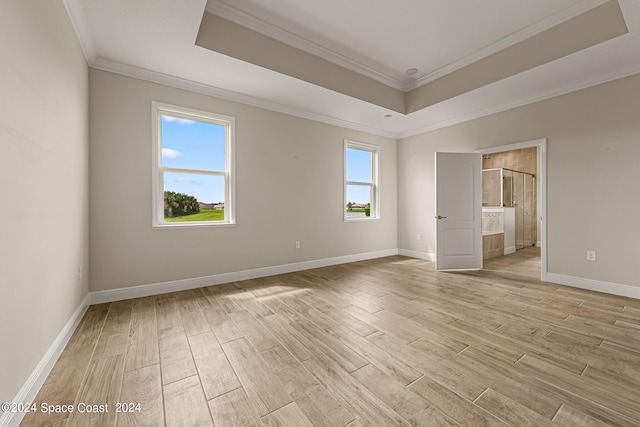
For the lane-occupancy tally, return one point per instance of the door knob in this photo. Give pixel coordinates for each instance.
(439, 217)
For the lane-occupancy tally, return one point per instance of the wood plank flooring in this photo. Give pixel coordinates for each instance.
(385, 342)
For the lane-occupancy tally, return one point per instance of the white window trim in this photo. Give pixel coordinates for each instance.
(157, 183)
(375, 179)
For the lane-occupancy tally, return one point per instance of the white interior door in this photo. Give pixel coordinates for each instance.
(458, 211)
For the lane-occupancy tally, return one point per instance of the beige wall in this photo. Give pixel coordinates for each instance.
(592, 180)
(289, 187)
(44, 181)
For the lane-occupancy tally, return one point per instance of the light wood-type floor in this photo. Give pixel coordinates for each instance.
(385, 342)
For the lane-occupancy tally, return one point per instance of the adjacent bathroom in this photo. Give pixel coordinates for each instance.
(509, 202)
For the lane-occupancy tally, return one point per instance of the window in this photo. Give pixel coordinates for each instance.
(192, 167)
(361, 181)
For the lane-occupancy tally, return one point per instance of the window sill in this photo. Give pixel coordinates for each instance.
(361, 219)
(175, 226)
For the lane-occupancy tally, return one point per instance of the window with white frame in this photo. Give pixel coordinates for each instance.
(361, 193)
(193, 176)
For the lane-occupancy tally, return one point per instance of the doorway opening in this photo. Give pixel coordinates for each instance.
(514, 199)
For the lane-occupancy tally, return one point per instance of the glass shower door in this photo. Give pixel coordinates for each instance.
(523, 200)
(517, 200)
(507, 188)
(529, 222)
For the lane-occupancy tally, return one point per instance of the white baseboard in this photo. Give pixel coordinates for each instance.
(32, 386)
(560, 279)
(100, 297)
(595, 285)
(111, 295)
(416, 254)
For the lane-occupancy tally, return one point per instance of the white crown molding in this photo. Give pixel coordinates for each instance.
(595, 285)
(33, 384)
(267, 29)
(168, 80)
(562, 90)
(510, 40)
(244, 19)
(100, 297)
(79, 23)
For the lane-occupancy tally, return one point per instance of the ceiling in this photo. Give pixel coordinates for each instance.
(346, 63)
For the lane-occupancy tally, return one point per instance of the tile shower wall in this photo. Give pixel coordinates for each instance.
(524, 160)
(491, 188)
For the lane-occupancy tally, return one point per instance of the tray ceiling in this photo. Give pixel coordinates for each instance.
(346, 62)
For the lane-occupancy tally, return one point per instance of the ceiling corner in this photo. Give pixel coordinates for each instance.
(81, 28)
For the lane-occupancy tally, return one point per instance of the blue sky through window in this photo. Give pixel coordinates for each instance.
(190, 144)
(358, 169)
(358, 194)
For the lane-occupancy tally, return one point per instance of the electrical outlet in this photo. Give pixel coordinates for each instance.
(297, 244)
(80, 273)
(591, 255)
(418, 237)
